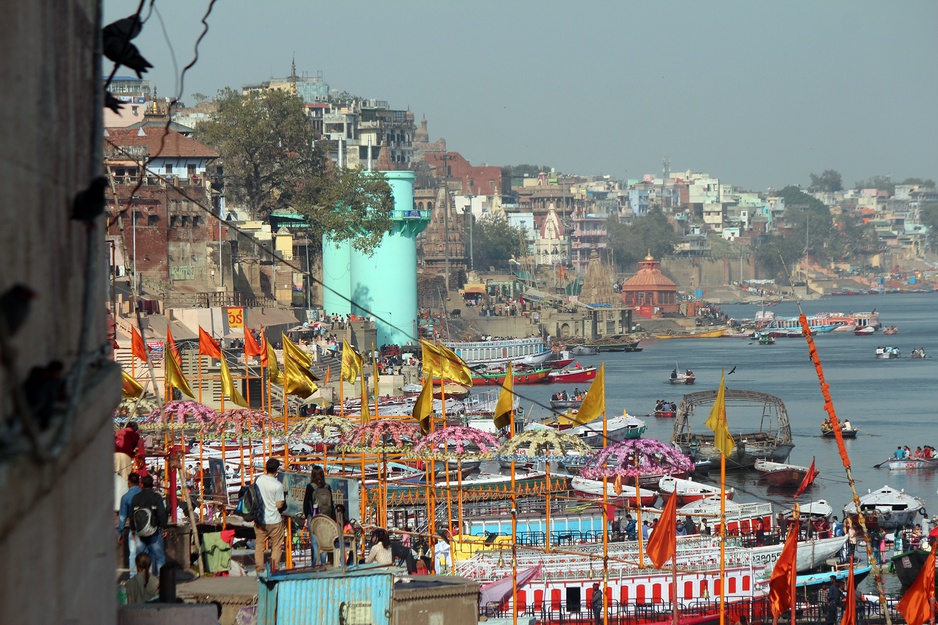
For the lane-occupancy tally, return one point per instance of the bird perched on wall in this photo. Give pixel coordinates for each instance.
(117, 47)
(89, 204)
(14, 306)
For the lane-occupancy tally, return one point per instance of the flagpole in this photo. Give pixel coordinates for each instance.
(638, 512)
(514, 528)
(722, 538)
(605, 526)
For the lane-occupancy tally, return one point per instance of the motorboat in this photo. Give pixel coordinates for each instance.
(575, 375)
(781, 475)
(819, 509)
(913, 464)
(888, 507)
(811, 553)
(687, 377)
(887, 352)
(558, 402)
(740, 516)
(688, 491)
(618, 429)
(594, 488)
(484, 376)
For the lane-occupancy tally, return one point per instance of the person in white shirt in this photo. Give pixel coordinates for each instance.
(271, 526)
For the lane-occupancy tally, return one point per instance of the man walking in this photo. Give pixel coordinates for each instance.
(270, 526)
(148, 521)
(133, 545)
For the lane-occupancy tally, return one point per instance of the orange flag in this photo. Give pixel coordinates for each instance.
(171, 344)
(328, 375)
(808, 479)
(850, 603)
(251, 348)
(783, 575)
(137, 347)
(915, 605)
(208, 346)
(264, 356)
(663, 542)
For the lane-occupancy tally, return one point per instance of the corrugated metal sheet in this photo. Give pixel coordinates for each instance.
(360, 597)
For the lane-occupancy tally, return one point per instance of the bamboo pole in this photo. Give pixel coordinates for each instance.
(722, 537)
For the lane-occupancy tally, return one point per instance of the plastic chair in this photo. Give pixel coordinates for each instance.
(331, 541)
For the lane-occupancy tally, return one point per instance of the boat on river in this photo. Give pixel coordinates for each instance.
(614, 343)
(688, 491)
(891, 330)
(887, 352)
(827, 431)
(771, 441)
(765, 339)
(665, 410)
(486, 376)
(594, 488)
(709, 334)
(620, 428)
(864, 331)
(888, 507)
(557, 402)
(682, 378)
(780, 474)
(575, 375)
(913, 464)
(527, 351)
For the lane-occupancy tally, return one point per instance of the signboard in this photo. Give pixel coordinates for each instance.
(214, 481)
(182, 272)
(344, 491)
(235, 317)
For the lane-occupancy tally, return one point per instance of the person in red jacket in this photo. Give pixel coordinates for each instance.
(127, 445)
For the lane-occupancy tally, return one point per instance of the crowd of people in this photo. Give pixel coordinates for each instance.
(925, 452)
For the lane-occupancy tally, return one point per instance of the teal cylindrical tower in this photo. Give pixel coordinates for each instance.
(336, 276)
(385, 284)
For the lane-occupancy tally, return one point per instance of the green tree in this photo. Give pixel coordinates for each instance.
(495, 241)
(928, 214)
(829, 180)
(926, 183)
(267, 144)
(881, 183)
(632, 242)
(519, 171)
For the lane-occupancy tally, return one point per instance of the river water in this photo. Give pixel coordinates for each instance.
(892, 402)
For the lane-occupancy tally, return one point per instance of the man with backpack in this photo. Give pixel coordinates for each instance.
(148, 520)
(268, 525)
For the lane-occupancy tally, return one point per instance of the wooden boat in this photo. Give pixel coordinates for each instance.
(712, 334)
(618, 343)
(560, 363)
(766, 339)
(594, 488)
(891, 330)
(864, 331)
(618, 429)
(772, 441)
(577, 375)
(780, 475)
(887, 352)
(913, 464)
(888, 507)
(739, 516)
(665, 411)
(918, 353)
(565, 404)
(688, 491)
(451, 389)
(492, 377)
(584, 350)
(908, 565)
(828, 432)
(682, 378)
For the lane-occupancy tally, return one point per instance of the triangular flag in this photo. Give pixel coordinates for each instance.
(137, 347)
(375, 372)
(328, 375)
(174, 376)
(506, 401)
(297, 378)
(453, 366)
(432, 359)
(366, 408)
(915, 605)
(594, 404)
(722, 439)
(171, 344)
(783, 575)
(351, 363)
(228, 387)
(269, 360)
(662, 545)
(264, 348)
(251, 348)
(208, 346)
(298, 355)
(850, 601)
(808, 479)
(131, 387)
(423, 408)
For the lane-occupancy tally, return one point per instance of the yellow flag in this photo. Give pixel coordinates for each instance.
(453, 366)
(174, 376)
(506, 401)
(594, 404)
(132, 388)
(424, 406)
(273, 369)
(228, 387)
(298, 355)
(366, 406)
(722, 439)
(432, 359)
(351, 363)
(297, 378)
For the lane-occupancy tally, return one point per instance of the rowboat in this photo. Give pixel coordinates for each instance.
(828, 432)
(594, 488)
(565, 404)
(576, 375)
(887, 352)
(913, 464)
(779, 474)
(682, 378)
(688, 491)
(492, 377)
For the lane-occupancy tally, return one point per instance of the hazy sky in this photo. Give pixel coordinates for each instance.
(758, 94)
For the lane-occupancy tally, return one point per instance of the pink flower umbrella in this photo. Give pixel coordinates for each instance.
(240, 423)
(381, 436)
(455, 442)
(636, 458)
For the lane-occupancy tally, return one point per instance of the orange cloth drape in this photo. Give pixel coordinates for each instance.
(783, 575)
(916, 603)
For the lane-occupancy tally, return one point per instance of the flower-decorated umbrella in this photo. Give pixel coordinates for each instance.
(546, 444)
(130, 408)
(239, 423)
(455, 442)
(322, 426)
(635, 458)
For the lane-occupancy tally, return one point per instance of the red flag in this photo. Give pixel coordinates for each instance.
(137, 346)
(808, 479)
(663, 542)
(850, 603)
(916, 603)
(251, 348)
(207, 345)
(783, 575)
(171, 344)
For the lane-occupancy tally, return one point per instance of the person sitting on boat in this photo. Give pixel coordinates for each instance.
(898, 454)
(917, 453)
(914, 352)
(680, 529)
(837, 527)
(846, 425)
(564, 396)
(689, 526)
(906, 453)
(826, 426)
(674, 374)
(689, 373)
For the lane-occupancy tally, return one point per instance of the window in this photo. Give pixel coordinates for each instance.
(153, 220)
(168, 169)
